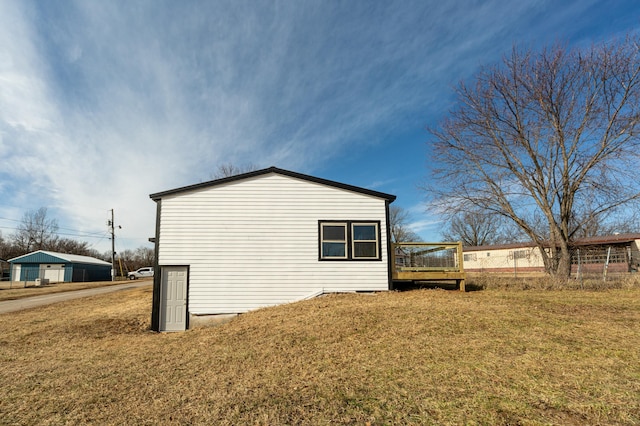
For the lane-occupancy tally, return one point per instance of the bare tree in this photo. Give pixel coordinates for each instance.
(590, 226)
(545, 135)
(3, 255)
(138, 258)
(8, 248)
(399, 225)
(230, 169)
(475, 228)
(36, 231)
(70, 246)
(145, 255)
(4, 247)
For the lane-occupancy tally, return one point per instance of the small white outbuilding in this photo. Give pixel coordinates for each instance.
(264, 238)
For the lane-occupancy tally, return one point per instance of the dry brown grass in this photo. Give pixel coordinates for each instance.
(541, 281)
(419, 357)
(18, 290)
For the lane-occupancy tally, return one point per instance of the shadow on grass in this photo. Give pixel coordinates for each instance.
(433, 285)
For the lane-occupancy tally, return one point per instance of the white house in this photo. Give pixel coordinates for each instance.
(264, 238)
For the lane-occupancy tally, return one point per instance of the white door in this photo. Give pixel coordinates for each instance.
(15, 276)
(53, 273)
(173, 298)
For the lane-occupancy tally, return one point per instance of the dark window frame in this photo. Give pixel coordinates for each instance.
(343, 224)
(350, 241)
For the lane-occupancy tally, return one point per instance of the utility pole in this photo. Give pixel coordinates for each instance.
(113, 248)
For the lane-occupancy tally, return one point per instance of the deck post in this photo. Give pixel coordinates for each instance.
(461, 265)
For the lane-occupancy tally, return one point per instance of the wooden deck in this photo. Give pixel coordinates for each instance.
(434, 262)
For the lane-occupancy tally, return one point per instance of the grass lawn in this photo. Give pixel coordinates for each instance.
(419, 357)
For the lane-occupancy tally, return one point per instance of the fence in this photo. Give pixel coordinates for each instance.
(586, 262)
(428, 262)
(426, 256)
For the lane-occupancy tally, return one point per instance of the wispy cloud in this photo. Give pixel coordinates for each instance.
(102, 103)
(424, 221)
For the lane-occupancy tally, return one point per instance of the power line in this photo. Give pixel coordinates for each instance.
(93, 235)
(59, 227)
(93, 245)
(99, 235)
(66, 203)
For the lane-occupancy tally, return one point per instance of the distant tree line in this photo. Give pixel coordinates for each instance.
(38, 231)
(130, 260)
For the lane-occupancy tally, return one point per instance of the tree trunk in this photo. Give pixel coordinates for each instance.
(563, 270)
(559, 262)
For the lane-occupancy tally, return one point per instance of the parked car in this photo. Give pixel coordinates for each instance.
(141, 273)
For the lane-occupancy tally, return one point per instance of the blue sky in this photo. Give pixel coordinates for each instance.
(105, 102)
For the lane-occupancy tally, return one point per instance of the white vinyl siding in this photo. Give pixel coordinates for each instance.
(254, 242)
(502, 259)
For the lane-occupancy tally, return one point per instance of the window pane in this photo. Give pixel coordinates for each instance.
(364, 232)
(334, 250)
(364, 249)
(334, 232)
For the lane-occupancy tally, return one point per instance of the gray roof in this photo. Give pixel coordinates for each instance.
(71, 258)
(587, 241)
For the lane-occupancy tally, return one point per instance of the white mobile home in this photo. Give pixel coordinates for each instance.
(618, 253)
(264, 238)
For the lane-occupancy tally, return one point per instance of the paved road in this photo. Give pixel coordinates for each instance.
(47, 299)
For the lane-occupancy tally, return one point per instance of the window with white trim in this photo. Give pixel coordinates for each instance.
(333, 238)
(349, 240)
(364, 241)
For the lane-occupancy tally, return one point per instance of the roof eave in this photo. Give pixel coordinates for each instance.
(159, 195)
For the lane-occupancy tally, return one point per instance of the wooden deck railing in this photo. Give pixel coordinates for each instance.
(428, 262)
